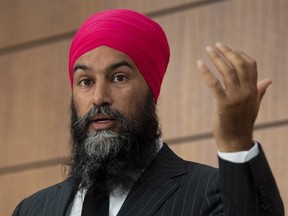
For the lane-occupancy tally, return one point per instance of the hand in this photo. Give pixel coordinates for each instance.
(236, 99)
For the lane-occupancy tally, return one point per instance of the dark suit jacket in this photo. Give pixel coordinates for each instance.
(172, 186)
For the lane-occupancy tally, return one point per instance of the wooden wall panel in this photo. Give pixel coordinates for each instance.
(34, 104)
(17, 186)
(200, 151)
(185, 103)
(22, 21)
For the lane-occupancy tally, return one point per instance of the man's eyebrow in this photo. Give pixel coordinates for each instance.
(119, 64)
(80, 66)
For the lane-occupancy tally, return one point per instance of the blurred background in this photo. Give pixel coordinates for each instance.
(35, 91)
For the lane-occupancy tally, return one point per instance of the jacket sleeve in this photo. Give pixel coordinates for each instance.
(16, 211)
(249, 188)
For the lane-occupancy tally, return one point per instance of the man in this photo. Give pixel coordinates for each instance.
(119, 164)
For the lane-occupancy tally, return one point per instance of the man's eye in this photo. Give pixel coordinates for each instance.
(119, 78)
(85, 82)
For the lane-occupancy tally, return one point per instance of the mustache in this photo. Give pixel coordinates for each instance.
(88, 118)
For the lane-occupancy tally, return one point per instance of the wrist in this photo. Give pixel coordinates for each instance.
(235, 145)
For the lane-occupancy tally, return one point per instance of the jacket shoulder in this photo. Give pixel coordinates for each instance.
(36, 201)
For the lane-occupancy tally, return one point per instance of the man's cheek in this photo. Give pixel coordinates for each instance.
(80, 112)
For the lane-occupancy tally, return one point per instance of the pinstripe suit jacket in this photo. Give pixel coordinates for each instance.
(172, 186)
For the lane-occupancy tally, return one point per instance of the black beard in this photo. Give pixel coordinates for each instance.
(109, 160)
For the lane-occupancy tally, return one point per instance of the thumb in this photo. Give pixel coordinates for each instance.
(261, 87)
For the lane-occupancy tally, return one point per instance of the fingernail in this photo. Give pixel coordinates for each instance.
(219, 45)
(209, 49)
(200, 63)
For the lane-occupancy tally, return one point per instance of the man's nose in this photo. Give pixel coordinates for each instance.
(102, 94)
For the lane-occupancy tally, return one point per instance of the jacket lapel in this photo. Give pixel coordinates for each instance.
(155, 185)
(58, 200)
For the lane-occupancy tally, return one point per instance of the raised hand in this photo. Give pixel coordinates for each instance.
(237, 96)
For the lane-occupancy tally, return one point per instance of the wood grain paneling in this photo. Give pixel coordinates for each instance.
(16, 187)
(185, 104)
(22, 21)
(202, 151)
(34, 98)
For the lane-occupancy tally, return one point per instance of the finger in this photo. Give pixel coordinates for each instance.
(226, 69)
(236, 60)
(262, 87)
(211, 81)
(252, 65)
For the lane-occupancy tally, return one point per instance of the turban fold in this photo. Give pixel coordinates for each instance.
(130, 32)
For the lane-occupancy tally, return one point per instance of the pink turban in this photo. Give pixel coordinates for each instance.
(130, 32)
